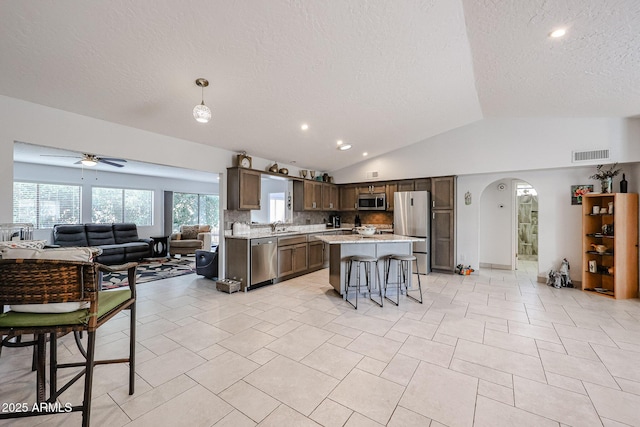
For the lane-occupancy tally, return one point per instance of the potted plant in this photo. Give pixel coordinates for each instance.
(606, 176)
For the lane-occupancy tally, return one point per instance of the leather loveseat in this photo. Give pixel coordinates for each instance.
(119, 241)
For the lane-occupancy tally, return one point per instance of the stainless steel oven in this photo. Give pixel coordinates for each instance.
(372, 202)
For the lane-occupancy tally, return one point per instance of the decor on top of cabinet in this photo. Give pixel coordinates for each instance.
(577, 191)
(606, 177)
(623, 184)
(274, 168)
(303, 173)
(244, 161)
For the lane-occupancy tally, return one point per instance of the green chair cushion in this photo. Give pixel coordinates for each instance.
(107, 301)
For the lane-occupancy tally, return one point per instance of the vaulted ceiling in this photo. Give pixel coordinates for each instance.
(375, 74)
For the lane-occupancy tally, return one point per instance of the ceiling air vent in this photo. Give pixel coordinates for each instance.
(590, 156)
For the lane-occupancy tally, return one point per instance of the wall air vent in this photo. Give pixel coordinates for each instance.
(590, 156)
(372, 175)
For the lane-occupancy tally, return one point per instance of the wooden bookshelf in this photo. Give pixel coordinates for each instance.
(616, 273)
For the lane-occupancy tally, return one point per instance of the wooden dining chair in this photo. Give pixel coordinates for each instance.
(30, 282)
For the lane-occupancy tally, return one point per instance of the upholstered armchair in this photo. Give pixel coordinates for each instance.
(189, 239)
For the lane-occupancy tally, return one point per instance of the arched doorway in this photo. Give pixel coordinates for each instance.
(509, 226)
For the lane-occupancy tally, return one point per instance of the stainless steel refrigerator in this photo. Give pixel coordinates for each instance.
(412, 217)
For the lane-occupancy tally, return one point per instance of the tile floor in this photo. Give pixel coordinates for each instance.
(491, 349)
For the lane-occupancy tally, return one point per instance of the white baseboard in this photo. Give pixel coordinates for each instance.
(495, 266)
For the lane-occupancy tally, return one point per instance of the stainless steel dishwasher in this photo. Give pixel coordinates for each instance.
(264, 260)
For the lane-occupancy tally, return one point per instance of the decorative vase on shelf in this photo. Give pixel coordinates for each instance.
(623, 184)
(607, 185)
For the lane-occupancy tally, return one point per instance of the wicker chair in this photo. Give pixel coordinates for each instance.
(32, 281)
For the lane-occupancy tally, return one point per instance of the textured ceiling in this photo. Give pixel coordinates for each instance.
(376, 74)
(520, 72)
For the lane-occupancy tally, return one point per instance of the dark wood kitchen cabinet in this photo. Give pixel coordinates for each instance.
(243, 189)
(422, 184)
(292, 259)
(407, 185)
(392, 187)
(348, 198)
(330, 197)
(307, 195)
(443, 247)
(443, 192)
(375, 187)
(316, 254)
(442, 240)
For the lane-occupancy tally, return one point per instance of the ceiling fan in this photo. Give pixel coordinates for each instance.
(92, 160)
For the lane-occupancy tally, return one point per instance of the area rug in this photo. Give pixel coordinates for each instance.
(150, 270)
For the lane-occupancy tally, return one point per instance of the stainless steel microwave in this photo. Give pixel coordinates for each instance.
(372, 202)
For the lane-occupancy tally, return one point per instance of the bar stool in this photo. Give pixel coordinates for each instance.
(359, 261)
(403, 268)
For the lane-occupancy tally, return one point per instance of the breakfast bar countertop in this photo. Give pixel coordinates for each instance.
(376, 238)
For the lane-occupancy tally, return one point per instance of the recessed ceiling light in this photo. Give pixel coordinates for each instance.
(339, 142)
(304, 126)
(558, 33)
(365, 154)
(344, 147)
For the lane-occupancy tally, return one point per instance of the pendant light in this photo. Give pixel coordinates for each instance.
(201, 112)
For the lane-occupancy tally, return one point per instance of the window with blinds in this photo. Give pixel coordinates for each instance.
(121, 205)
(44, 205)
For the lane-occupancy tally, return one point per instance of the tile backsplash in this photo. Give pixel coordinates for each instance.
(316, 218)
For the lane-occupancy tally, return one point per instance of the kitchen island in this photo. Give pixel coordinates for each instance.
(378, 245)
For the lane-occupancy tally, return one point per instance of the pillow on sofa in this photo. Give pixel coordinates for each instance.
(63, 254)
(189, 232)
(204, 229)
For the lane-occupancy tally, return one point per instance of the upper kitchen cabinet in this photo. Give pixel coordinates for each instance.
(407, 185)
(422, 184)
(330, 197)
(243, 189)
(443, 192)
(348, 198)
(392, 188)
(376, 187)
(307, 195)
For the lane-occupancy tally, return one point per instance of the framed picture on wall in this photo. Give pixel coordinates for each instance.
(577, 191)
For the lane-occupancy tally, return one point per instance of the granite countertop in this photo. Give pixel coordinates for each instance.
(261, 233)
(376, 238)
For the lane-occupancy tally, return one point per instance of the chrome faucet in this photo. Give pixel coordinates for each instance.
(274, 226)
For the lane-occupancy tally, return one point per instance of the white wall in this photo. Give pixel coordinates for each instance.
(496, 224)
(501, 145)
(559, 222)
(61, 175)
